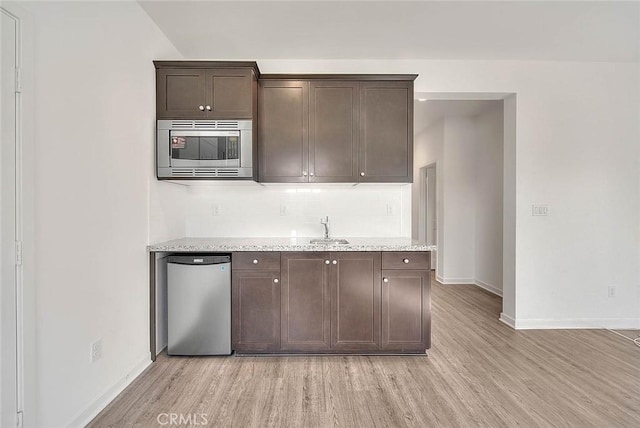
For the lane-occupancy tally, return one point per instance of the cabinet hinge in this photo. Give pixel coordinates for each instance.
(18, 80)
(19, 421)
(19, 253)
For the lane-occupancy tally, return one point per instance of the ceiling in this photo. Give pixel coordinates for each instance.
(460, 30)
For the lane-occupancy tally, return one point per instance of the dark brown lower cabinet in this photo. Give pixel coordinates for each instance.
(331, 302)
(406, 310)
(255, 310)
(355, 301)
(305, 302)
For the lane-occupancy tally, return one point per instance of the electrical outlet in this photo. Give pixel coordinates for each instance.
(284, 210)
(611, 292)
(540, 210)
(96, 351)
(215, 210)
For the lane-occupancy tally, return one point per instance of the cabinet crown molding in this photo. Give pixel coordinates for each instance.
(377, 77)
(207, 64)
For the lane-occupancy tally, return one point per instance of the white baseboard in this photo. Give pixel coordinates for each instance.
(159, 351)
(99, 404)
(489, 287)
(456, 281)
(577, 323)
(507, 320)
(470, 281)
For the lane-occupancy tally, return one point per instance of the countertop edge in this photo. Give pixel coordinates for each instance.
(187, 245)
(317, 248)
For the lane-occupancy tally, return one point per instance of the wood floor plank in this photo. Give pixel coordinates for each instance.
(479, 372)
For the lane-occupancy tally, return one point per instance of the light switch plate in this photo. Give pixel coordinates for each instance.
(540, 210)
(390, 210)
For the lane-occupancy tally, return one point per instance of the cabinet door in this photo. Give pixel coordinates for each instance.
(406, 310)
(283, 143)
(386, 131)
(305, 316)
(355, 301)
(256, 311)
(229, 93)
(333, 131)
(180, 93)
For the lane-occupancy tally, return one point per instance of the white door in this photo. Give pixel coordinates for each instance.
(8, 231)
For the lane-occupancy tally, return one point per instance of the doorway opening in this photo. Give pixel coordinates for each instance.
(464, 189)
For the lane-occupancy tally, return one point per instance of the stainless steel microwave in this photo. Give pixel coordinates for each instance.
(204, 149)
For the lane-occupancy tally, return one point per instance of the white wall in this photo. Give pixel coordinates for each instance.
(252, 210)
(458, 221)
(167, 210)
(94, 123)
(488, 198)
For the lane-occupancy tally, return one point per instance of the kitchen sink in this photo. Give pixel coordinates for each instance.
(328, 241)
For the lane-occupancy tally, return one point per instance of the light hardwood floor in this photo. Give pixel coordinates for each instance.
(479, 372)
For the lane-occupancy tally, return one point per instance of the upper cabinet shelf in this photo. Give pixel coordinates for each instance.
(205, 89)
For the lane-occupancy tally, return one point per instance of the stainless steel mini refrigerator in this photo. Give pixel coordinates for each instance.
(199, 301)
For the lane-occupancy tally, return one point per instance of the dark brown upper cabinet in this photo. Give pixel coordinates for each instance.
(386, 131)
(205, 89)
(308, 131)
(333, 131)
(283, 131)
(336, 128)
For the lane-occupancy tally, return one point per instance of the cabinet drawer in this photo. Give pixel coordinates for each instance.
(256, 260)
(406, 260)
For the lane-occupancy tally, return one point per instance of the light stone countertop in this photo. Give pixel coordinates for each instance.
(191, 245)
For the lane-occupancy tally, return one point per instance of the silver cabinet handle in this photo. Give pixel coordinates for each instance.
(326, 262)
(304, 173)
(335, 262)
(255, 261)
(405, 260)
(276, 280)
(385, 279)
(208, 108)
(311, 174)
(362, 174)
(201, 108)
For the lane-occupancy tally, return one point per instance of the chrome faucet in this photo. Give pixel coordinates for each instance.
(325, 222)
